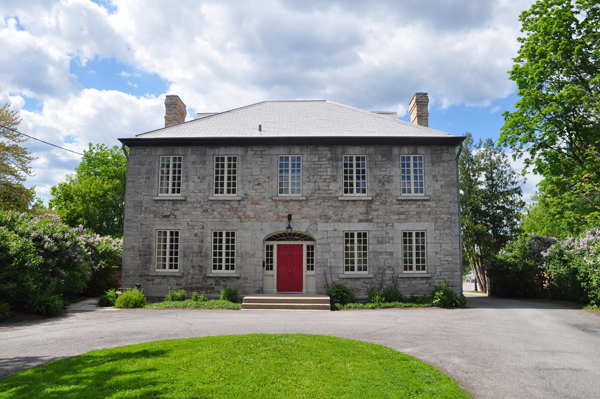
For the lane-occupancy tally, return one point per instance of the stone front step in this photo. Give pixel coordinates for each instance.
(286, 302)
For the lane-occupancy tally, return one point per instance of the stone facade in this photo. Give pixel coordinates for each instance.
(321, 211)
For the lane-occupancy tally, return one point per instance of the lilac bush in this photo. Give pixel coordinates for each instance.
(39, 254)
(518, 270)
(573, 266)
(535, 266)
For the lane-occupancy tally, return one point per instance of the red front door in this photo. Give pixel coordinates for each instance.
(289, 267)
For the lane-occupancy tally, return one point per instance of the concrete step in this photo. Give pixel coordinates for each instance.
(286, 299)
(285, 306)
(286, 302)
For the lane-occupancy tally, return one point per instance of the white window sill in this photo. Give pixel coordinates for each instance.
(355, 198)
(167, 274)
(225, 275)
(225, 198)
(290, 198)
(414, 198)
(169, 198)
(414, 275)
(356, 276)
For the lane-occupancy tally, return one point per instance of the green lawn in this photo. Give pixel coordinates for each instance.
(237, 366)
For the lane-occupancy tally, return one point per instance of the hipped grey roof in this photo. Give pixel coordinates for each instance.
(312, 118)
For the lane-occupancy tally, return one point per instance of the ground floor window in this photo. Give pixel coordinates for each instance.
(356, 253)
(310, 258)
(414, 249)
(269, 258)
(167, 250)
(223, 256)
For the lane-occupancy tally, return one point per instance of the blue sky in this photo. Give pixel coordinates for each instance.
(81, 71)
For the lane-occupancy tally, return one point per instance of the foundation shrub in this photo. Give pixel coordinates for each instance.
(393, 294)
(339, 293)
(176, 296)
(446, 298)
(132, 298)
(199, 298)
(229, 294)
(374, 295)
(107, 299)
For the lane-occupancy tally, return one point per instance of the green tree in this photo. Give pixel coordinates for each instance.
(95, 195)
(490, 203)
(556, 123)
(14, 164)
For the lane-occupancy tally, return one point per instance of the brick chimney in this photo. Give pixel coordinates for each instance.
(175, 111)
(418, 109)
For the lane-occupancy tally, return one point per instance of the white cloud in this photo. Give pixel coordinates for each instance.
(91, 116)
(217, 55)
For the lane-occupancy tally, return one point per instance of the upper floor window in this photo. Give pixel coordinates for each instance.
(169, 181)
(290, 175)
(411, 172)
(356, 252)
(414, 251)
(226, 175)
(223, 256)
(355, 175)
(167, 250)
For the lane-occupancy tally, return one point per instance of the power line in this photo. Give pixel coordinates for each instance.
(45, 142)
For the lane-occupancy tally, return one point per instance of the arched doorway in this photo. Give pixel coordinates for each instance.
(289, 263)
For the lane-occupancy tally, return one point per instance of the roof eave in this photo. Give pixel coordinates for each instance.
(310, 140)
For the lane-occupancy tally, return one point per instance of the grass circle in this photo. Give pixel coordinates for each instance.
(236, 366)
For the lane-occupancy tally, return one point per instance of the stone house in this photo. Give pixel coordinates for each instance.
(292, 196)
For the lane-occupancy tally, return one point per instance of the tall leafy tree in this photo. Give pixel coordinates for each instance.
(14, 163)
(556, 123)
(490, 202)
(95, 195)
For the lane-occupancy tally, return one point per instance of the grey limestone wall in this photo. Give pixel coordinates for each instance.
(259, 212)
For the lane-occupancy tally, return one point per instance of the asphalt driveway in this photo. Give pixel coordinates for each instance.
(497, 348)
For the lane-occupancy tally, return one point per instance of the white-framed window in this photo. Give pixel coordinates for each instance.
(169, 180)
(310, 258)
(225, 175)
(167, 250)
(223, 256)
(290, 175)
(356, 252)
(414, 251)
(355, 175)
(411, 172)
(269, 257)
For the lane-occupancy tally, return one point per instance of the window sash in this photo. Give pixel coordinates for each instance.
(269, 257)
(310, 258)
(355, 175)
(225, 174)
(411, 174)
(167, 250)
(356, 252)
(169, 180)
(290, 175)
(223, 256)
(414, 251)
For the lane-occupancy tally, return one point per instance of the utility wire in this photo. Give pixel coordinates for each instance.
(45, 142)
